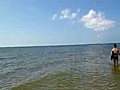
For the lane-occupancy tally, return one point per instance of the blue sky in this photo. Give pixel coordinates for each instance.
(56, 22)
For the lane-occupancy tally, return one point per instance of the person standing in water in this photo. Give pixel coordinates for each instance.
(114, 55)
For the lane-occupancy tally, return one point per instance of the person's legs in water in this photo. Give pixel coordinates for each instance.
(117, 62)
(114, 62)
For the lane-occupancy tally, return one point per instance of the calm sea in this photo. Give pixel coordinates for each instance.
(77, 67)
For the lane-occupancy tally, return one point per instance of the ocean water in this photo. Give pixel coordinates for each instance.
(77, 67)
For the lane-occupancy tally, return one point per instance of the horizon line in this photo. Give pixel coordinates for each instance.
(55, 45)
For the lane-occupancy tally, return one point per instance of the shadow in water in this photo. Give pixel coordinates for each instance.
(116, 70)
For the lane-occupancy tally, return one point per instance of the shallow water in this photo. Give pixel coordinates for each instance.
(80, 67)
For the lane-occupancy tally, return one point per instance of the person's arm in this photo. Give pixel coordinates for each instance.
(112, 54)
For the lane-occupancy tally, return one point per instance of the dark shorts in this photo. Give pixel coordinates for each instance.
(115, 57)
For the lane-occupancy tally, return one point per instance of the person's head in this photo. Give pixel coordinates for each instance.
(115, 45)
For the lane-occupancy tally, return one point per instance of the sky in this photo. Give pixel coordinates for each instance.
(59, 22)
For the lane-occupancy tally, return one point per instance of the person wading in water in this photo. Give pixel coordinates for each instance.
(114, 55)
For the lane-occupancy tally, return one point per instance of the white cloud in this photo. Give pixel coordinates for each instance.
(97, 21)
(93, 20)
(54, 17)
(67, 14)
(73, 15)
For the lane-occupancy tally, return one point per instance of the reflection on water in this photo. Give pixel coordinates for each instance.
(116, 70)
(116, 74)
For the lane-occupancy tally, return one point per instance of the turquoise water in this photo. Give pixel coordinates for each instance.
(79, 67)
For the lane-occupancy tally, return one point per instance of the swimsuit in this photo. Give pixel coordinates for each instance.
(114, 56)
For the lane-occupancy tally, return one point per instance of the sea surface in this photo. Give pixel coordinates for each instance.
(72, 67)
